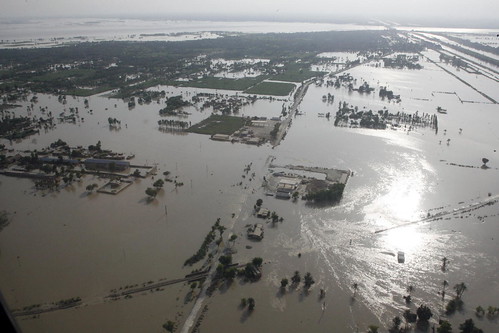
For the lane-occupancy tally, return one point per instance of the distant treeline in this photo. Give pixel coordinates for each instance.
(88, 68)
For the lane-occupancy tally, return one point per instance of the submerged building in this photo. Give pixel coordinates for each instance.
(106, 165)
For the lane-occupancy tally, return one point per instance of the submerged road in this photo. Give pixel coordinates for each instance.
(489, 201)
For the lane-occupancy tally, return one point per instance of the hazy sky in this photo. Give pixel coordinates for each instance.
(454, 10)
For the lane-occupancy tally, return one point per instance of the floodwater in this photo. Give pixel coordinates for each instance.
(50, 32)
(69, 244)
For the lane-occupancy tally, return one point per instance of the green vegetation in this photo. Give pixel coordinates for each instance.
(128, 67)
(91, 187)
(158, 183)
(217, 124)
(4, 219)
(296, 278)
(469, 327)
(294, 73)
(424, 313)
(275, 130)
(169, 326)
(244, 302)
(332, 194)
(271, 88)
(223, 83)
(257, 261)
(151, 192)
(210, 237)
(251, 304)
(172, 104)
(68, 302)
(444, 327)
(308, 280)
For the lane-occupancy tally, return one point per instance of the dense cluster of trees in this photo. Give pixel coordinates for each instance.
(171, 123)
(203, 250)
(332, 194)
(172, 105)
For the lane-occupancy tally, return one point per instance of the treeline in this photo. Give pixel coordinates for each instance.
(203, 250)
(478, 46)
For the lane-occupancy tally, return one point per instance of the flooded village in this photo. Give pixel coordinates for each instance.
(237, 188)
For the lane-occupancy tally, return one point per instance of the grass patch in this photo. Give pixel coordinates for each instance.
(131, 90)
(223, 83)
(296, 75)
(271, 88)
(217, 124)
(64, 74)
(87, 92)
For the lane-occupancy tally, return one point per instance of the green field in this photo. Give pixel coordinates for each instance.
(295, 75)
(271, 88)
(223, 83)
(217, 124)
(64, 74)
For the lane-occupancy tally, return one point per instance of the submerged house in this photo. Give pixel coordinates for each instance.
(256, 232)
(106, 165)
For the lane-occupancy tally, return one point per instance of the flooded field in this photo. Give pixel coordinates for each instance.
(417, 190)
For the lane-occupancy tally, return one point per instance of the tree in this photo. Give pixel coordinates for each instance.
(485, 161)
(460, 288)
(151, 192)
(396, 323)
(444, 284)
(479, 311)
(225, 260)
(469, 327)
(409, 317)
(251, 304)
(444, 327)
(257, 261)
(259, 202)
(355, 286)
(243, 302)
(296, 278)
(158, 184)
(91, 187)
(372, 329)
(169, 326)
(232, 239)
(284, 283)
(230, 273)
(193, 285)
(308, 280)
(424, 313)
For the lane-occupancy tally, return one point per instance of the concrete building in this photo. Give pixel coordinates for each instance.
(256, 232)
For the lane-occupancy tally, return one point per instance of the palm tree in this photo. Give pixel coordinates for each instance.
(296, 278)
(309, 281)
(251, 304)
(355, 286)
(410, 289)
(460, 288)
(445, 284)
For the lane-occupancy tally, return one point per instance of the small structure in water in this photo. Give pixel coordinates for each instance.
(256, 232)
(400, 257)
